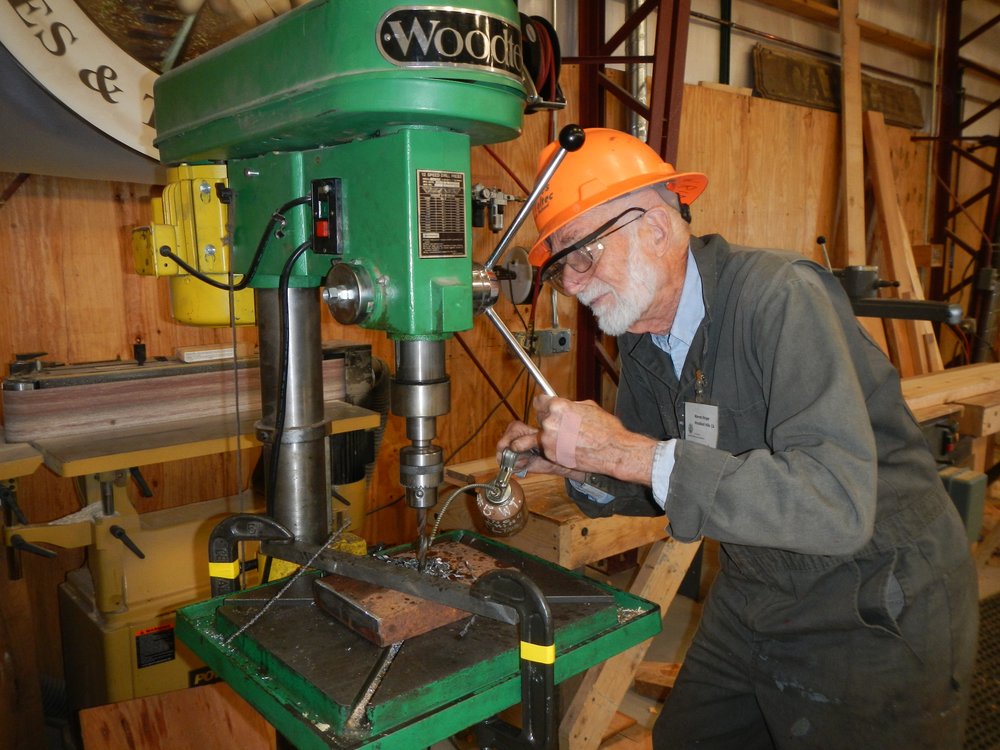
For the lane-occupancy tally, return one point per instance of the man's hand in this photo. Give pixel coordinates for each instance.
(577, 438)
(523, 439)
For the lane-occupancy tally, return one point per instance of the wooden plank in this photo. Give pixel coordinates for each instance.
(936, 411)
(632, 738)
(203, 717)
(604, 686)
(926, 255)
(17, 459)
(898, 263)
(951, 386)
(852, 153)
(904, 351)
(980, 415)
(814, 10)
(111, 450)
(876, 329)
(654, 679)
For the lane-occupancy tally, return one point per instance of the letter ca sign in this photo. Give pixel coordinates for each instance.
(423, 36)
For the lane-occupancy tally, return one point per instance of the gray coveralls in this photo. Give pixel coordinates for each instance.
(845, 612)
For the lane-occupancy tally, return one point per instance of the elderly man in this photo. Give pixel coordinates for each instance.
(753, 409)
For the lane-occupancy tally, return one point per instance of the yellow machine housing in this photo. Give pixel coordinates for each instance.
(191, 221)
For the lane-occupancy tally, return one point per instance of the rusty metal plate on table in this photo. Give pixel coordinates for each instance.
(384, 616)
(800, 79)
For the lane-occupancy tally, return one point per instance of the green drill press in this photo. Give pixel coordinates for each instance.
(353, 121)
(346, 128)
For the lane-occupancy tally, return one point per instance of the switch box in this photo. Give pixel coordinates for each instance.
(554, 340)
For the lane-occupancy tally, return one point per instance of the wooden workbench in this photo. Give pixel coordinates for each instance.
(971, 394)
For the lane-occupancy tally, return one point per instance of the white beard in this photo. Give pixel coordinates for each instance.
(619, 312)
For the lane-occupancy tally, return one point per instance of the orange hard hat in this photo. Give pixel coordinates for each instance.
(608, 165)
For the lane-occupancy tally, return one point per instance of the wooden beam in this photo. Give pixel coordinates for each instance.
(952, 386)
(897, 256)
(852, 148)
(604, 686)
(811, 10)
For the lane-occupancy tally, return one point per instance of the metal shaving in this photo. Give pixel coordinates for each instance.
(434, 566)
(624, 615)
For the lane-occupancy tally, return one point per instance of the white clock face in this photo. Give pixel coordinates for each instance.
(101, 57)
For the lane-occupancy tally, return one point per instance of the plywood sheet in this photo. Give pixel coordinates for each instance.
(212, 716)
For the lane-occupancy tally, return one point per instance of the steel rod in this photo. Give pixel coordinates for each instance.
(522, 355)
(525, 209)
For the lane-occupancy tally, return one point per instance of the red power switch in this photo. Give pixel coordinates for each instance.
(326, 214)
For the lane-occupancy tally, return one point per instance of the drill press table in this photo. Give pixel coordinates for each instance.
(303, 671)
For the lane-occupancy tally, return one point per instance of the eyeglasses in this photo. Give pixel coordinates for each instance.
(583, 255)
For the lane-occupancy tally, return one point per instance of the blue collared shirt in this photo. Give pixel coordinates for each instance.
(676, 343)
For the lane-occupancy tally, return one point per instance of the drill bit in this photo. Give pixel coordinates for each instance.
(423, 539)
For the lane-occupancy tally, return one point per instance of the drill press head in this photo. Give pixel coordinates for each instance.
(346, 129)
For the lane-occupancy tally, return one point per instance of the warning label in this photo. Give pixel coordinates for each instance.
(154, 645)
(441, 213)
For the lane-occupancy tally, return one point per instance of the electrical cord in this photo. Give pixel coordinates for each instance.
(276, 218)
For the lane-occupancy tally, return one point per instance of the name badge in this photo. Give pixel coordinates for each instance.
(701, 423)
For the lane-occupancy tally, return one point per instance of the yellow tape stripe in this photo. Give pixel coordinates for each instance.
(540, 654)
(228, 570)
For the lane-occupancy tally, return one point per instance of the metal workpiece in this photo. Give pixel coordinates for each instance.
(299, 487)
(397, 578)
(349, 293)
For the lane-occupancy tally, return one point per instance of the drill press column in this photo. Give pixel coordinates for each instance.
(297, 489)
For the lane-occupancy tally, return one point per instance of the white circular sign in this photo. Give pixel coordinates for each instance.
(82, 67)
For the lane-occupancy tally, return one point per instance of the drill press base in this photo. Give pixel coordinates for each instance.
(303, 670)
